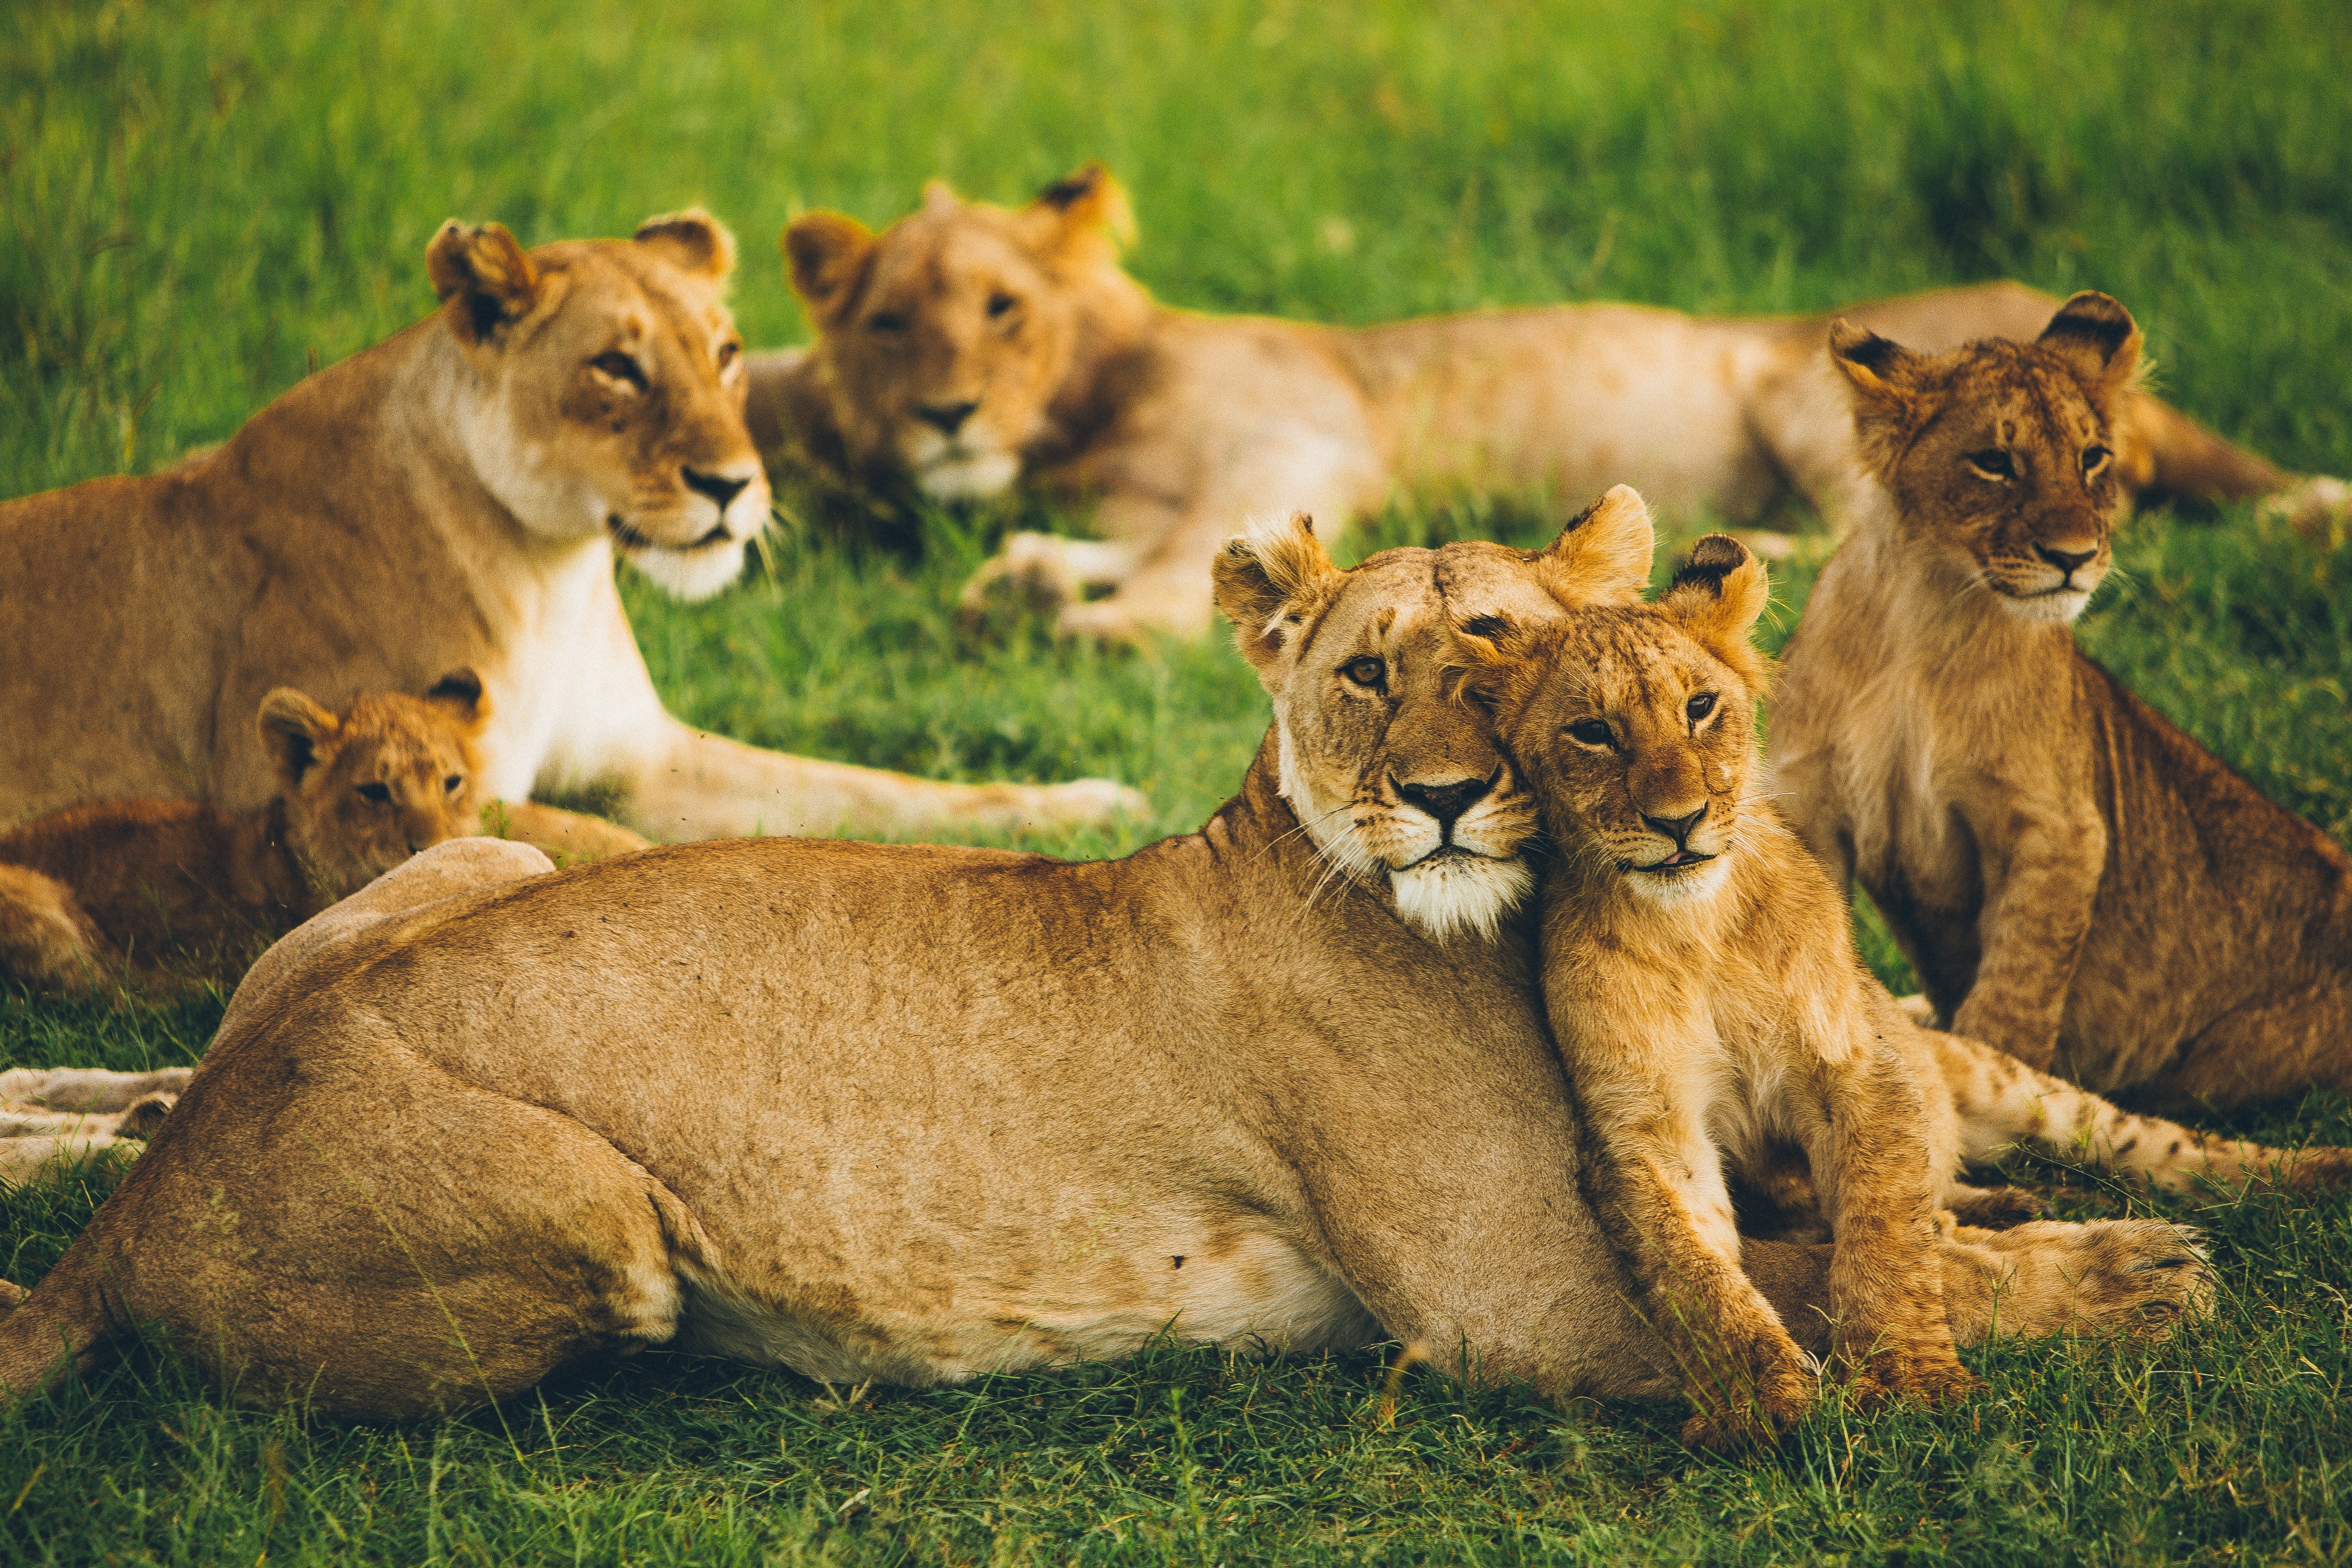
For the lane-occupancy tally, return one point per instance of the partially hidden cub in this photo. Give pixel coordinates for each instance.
(2074, 879)
(1702, 982)
(157, 895)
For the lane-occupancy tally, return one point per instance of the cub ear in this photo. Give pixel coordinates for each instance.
(826, 253)
(1602, 556)
(939, 197)
(482, 265)
(1885, 382)
(2098, 341)
(296, 732)
(1717, 595)
(460, 691)
(1086, 208)
(1270, 567)
(692, 241)
(1493, 661)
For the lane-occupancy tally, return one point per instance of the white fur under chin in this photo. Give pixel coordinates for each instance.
(1460, 895)
(689, 574)
(969, 476)
(1685, 887)
(2055, 608)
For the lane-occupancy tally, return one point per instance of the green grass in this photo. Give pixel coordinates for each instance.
(202, 199)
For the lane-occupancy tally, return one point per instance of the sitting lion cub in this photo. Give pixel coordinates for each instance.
(160, 893)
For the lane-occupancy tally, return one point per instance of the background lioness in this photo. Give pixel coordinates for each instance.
(983, 1111)
(968, 346)
(454, 496)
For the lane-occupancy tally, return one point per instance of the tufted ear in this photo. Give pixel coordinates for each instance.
(460, 692)
(482, 265)
(1266, 577)
(826, 253)
(1081, 211)
(2098, 341)
(1717, 595)
(1886, 382)
(1602, 556)
(939, 197)
(1498, 662)
(692, 241)
(296, 732)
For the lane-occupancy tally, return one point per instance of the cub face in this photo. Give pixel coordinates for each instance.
(1394, 780)
(947, 337)
(2001, 456)
(1635, 724)
(608, 391)
(388, 777)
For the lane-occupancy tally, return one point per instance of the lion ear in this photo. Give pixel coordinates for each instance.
(1086, 208)
(1492, 660)
(692, 241)
(460, 691)
(1262, 574)
(826, 253)
(1886, 382)
(297, 733)
(482, 265)
(939, 197)
(1717, 595)
(2098, 341)
(1602, 556)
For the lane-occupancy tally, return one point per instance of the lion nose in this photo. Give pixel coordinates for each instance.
(1443, 801)
(717, 486)
(1678, 829)
(2065, 560)
(947, 418)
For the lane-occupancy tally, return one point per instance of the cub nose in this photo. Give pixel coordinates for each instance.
(2065, 560)
(947, 418)
(1678, 829)
(717, 486)
(1443, 801)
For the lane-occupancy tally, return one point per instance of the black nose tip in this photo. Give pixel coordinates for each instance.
(717, 486)
(1678, 829)
(947, 418)
(1443, 801)
(2064, 561)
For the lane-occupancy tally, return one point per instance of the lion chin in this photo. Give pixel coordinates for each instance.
(1460, 895)
(695, 572)
(2049, 609)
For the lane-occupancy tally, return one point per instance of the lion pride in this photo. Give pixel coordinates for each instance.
(967, 347)
(454, 496)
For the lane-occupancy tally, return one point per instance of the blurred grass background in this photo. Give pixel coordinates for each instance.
(205, 200)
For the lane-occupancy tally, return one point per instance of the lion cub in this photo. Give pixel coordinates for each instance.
(158, 894)
(1702, 984)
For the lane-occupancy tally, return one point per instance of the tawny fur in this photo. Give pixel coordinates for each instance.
(2073, 880)
(967, 348)
(452, 496)
(979, 1112)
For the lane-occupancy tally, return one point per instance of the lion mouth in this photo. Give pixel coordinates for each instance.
(630, 539)
(1674, 864)
(1446, 852)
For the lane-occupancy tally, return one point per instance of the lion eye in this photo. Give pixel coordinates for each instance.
(886, 321)
(1365, 672)
(727, 353)
(2094, 459)
(1992, 463)
(454, 782)
(377, 793)
(620, 366)
(1699, 707)
(1001, 305)
(1592, 732)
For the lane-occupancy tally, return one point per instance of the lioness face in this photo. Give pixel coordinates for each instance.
(947, 338)
(1999, 455)
(390, 776)
(607, 392)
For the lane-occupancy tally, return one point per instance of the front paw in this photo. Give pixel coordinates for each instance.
(1929, 1373)
(1105, 622)
(1754, 1405)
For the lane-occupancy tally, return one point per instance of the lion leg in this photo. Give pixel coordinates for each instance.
(47, 941)
(1041, 573)
(2163, 452)
(2283, 1045)
(574, 835)
(87, 1089)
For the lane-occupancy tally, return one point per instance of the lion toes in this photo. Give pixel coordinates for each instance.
(2320, 1170)
(1929, 1373)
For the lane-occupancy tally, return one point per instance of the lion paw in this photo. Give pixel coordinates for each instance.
(2047, 1276)
(1930, 1374)
(2319, 1170)
(1085, 802)
(1997, 1207)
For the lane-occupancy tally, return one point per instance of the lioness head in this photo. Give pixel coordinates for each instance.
(946, 338)
(369, 787)
(2000, 455)
(1394, 779)
(606, 391)
(1635, 724)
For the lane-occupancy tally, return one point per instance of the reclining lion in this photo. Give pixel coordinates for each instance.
(917, 1114)
(452, 496)
(967, 347)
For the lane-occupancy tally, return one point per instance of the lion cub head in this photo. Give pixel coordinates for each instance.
(1999, 456)
(947, 339)
(1635, 723)
(389, 776)
(603, 392)
(1395, 781)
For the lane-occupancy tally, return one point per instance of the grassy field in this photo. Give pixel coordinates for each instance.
(204, 200)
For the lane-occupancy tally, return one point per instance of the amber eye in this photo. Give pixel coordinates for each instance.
(886, 321)
(1992, 463)
(2094, 459)
(727, 353)
(1699, 707)
(1592, 732)
(377, 793)
(1365, 672)
(455, 782)
(619, 367)
(1001, 305)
